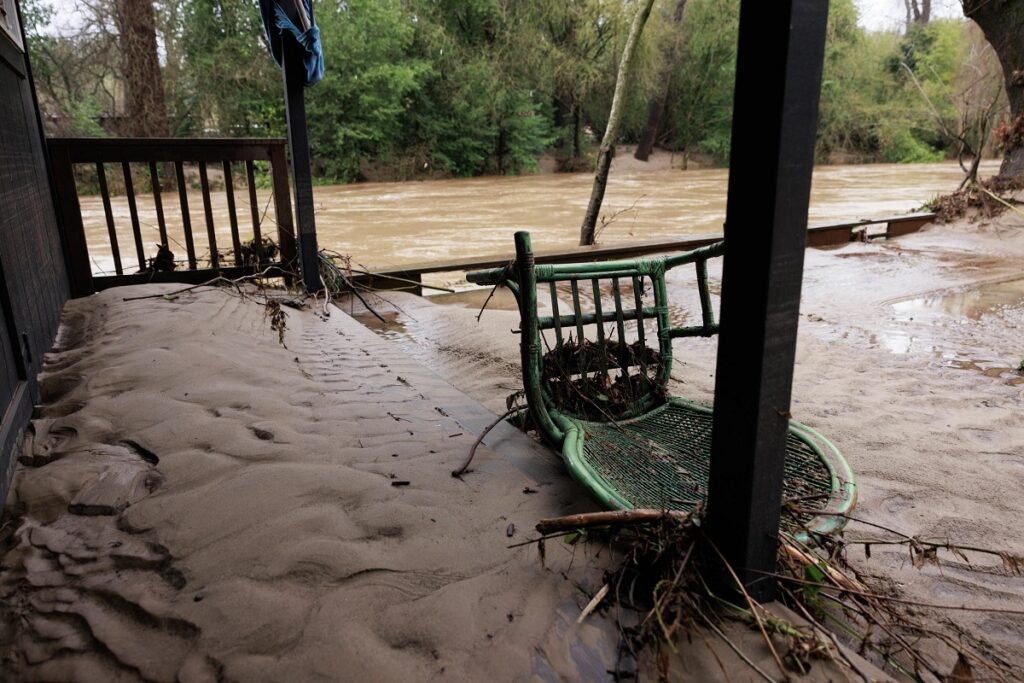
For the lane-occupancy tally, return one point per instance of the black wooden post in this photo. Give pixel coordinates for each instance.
(778, 78)
(298, 143)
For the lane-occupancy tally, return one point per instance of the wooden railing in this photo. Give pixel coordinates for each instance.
(410, 277)
(153, 155)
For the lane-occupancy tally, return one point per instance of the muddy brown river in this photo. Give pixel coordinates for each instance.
(393, 224)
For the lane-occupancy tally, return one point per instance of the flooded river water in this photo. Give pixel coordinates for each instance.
(393, 224)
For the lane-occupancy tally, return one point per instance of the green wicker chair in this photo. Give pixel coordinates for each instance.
(602, 399)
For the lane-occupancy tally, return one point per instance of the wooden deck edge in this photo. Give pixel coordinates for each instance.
(817, 236)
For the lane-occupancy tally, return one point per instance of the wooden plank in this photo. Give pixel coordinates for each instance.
(186, 218)
(283, 207)
(185, 277)
(211, 235)
(778, 79)
(133, 211)
(828, 237)
(298, 143)
(254, 209)
(229, 191)
(115, 251)
(69, 220)
(141, 150)
(158, 202)
(907, 225)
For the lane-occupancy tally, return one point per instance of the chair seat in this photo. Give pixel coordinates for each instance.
(661, 460)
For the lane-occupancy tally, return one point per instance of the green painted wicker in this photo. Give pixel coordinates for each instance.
(601, 396)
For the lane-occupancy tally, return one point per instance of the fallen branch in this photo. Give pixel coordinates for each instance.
(594, 602)
(587, 520)
(219, 280)
(472, 451)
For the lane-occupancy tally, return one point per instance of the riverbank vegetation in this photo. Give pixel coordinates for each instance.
(429, 88)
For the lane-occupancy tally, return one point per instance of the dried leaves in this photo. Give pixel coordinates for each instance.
(278, 319)
(593, 380)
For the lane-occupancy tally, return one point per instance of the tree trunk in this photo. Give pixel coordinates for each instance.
(919, 14)
(611, 131)
(1003, 26)
(657, 103)
(140, 67)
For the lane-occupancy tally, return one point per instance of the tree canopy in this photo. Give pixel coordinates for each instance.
(417, 88)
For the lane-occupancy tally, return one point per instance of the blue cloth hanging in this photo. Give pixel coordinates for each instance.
(278, 26)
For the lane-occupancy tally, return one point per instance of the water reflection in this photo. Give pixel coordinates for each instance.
(972, 302)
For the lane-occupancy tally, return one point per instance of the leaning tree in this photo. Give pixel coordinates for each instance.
(1002, 22)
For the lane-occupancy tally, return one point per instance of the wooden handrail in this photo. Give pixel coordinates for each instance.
(109, 150)
(65, 153)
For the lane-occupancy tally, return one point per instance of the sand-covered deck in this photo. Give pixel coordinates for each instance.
(907, 359)
(199, 502)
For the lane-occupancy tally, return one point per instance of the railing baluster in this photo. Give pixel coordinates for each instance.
(111, 230)
(186, 220)
(254, 208)
(204, 183)
(283, 210)
(620, 324)
(638, 285)
(158, 202)
(707, 312)
(576, 310)
(229, 190)
(554, 312)
(133, 210)
(601, 346)
(596, 284)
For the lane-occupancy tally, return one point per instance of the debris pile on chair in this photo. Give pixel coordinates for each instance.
(592, 379)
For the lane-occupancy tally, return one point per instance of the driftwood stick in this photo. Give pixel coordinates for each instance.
(476, 444)
(607, 518)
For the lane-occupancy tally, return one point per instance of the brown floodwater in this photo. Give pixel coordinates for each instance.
(394, 224)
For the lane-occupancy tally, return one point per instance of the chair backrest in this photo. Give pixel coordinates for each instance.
(601, 360)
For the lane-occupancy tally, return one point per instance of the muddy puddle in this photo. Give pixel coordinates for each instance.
(934, 322)
(995, 298)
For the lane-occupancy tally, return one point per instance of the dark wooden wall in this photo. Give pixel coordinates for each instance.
(33, 283)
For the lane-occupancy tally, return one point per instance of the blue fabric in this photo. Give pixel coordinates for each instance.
(279, 26)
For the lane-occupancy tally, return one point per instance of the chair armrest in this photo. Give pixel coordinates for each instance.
(491, 276)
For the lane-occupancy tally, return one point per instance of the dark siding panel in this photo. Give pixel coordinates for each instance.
(8, 370)
(33, 284)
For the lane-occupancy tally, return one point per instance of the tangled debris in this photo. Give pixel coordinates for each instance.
(257, 253)
(592, 379)
(989, 196)
(669, 584)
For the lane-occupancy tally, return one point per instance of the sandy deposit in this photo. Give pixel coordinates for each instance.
(197, 502)
(906, 359)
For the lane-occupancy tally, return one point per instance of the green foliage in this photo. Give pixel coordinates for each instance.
(466, 87)
(906, 148)
(360, 106)
(219, 77)
(703, 114)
